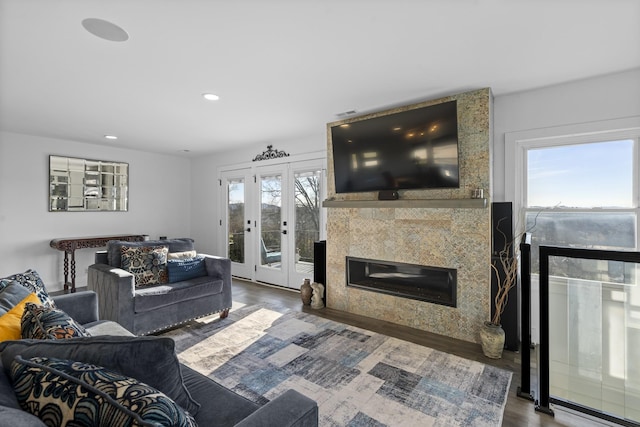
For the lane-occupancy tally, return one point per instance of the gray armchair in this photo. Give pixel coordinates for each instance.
(146, 309)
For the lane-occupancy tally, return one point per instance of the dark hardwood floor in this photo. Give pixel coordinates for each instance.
(518, 411)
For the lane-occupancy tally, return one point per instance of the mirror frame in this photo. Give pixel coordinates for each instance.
(86, 185)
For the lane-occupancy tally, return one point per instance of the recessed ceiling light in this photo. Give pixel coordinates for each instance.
(210, 96)
(105, 30)
(110, 137)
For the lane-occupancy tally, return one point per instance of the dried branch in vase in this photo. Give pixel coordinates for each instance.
(508, 260)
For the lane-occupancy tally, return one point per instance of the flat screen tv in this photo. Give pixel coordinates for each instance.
(413, 149)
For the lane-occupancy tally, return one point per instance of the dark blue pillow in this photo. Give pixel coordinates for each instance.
(185, 269)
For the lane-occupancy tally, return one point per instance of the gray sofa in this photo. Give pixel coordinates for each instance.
(146, 309)
(151, 360)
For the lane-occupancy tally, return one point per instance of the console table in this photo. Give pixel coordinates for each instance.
(70, 244)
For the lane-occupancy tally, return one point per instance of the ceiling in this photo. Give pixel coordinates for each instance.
(283, 68)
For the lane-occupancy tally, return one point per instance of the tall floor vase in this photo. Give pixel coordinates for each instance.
(492, 340)
(306, 292)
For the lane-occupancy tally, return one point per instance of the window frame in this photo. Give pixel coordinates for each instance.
(517, 145)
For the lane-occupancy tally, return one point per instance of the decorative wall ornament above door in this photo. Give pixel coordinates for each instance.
(270, 153)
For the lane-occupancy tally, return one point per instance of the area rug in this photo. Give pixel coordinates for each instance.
(357, 377)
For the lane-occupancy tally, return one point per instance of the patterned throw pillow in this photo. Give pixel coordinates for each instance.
(31, 280)
(148, 264)
(64, 392)
(44, 323)
(185, 269)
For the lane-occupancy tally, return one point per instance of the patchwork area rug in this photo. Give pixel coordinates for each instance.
(358, 377)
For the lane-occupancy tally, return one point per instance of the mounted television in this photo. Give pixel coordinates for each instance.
(412, 149)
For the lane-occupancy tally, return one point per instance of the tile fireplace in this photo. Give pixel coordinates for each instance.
(442, 228)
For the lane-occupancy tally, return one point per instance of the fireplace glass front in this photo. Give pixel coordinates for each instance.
(420, 282)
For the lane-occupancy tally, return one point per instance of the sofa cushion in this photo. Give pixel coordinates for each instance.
(7, 397)
(148, 264)
(13, 298)
(65, 392)
(151, 360)
(31, 280)
(40, 322)
(153, 297)
(175, 245)
(16, 417)
(224, 406)
(185, 269)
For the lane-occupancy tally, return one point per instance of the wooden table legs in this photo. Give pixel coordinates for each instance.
(69, 286)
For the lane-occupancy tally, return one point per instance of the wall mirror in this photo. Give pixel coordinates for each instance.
(87, 185)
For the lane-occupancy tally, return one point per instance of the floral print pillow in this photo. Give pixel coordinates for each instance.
(148, 264)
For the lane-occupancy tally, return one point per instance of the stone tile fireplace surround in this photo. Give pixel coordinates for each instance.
(455, 234)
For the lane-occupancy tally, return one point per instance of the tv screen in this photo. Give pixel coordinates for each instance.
(413, 149)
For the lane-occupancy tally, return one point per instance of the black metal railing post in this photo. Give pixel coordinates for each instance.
(542, 404)
(524, 390)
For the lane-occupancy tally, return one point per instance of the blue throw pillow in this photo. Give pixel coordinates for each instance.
(185, 269)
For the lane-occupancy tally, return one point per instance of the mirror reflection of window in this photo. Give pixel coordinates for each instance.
(77, 184)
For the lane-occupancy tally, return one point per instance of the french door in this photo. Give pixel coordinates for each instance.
(237, 223)
(272, 225)
(272, 219)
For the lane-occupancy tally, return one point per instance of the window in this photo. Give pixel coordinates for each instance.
(582, 195)
(577, 186)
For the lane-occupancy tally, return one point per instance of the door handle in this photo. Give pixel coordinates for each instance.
(248, 230)
(284, 231)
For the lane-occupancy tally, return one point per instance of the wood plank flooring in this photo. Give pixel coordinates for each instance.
(518, 411)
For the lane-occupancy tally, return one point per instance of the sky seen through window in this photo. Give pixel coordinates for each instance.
(594, 175)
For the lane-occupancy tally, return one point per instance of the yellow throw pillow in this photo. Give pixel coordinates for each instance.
(10, 321)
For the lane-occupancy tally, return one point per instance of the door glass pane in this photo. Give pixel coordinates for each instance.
(236, 219)
(307, 218)
(270, 220)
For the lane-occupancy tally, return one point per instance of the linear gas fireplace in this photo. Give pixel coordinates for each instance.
(424, 283)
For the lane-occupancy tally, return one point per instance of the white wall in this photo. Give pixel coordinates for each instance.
(205, 218)
(159, 204)
(596, 99)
